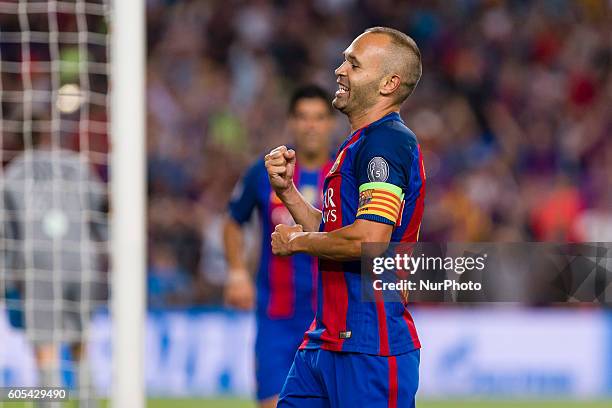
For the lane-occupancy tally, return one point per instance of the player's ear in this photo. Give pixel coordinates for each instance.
(389, 84)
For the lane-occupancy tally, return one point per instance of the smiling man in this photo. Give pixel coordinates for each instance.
(358, 353)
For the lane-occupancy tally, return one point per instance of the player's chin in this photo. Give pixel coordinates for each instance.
(339, 103)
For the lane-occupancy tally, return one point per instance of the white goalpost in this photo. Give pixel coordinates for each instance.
(128, 201)
(128, 192)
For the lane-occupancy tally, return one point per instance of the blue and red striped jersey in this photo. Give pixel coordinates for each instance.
(285, 285)
(378, 175)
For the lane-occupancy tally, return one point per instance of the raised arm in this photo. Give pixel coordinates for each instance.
(280, 164)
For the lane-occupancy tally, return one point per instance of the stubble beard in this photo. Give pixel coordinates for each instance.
(358, 101)
(338, 106)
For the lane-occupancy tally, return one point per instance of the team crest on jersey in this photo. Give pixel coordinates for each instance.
(365, 197)
(336, 163)
(378, 169)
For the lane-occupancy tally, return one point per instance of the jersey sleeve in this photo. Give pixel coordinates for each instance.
(244, 196)
(382, 170)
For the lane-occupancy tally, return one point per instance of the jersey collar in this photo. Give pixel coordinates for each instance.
(387, 117)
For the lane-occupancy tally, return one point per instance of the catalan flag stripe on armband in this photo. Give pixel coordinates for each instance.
(380, 199)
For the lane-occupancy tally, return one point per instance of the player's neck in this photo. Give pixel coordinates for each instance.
(312, 161)
(362, 119)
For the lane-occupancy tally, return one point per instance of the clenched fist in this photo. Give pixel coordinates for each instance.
(281, 238)
(280, 164)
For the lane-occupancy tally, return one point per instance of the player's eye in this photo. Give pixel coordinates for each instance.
(352, 64)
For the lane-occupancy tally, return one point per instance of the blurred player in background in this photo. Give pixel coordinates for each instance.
(358, 353)
(284, 294)
(54, 219)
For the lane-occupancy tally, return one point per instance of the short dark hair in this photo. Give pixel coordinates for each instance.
(309, 91)
(411, 63)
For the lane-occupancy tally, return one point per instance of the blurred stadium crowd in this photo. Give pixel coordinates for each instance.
(512, 113)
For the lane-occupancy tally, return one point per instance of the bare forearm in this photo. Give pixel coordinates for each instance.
(343, 244)
(302, 211)
(233, 244)
(327, 245)
(239, 291)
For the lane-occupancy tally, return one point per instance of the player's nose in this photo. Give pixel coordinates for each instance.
(340, 71)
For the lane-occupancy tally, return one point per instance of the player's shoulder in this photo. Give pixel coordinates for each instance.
(256, 169)
(16, 169)
(392, 135)
(391, 131)
(256, 174)
(258, 165)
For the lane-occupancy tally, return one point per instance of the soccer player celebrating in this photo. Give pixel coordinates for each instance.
(358, 353)
(285, 286)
